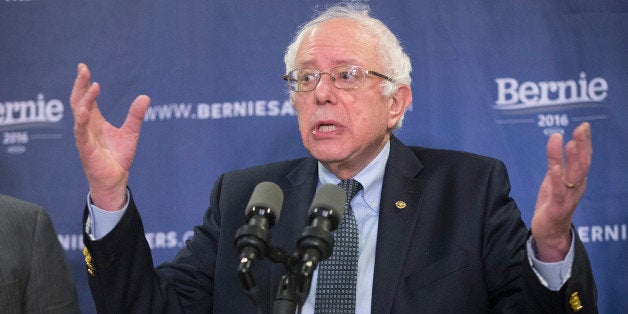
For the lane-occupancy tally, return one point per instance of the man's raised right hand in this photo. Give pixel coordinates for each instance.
(106, 152)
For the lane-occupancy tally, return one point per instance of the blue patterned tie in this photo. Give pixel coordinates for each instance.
(337, 276)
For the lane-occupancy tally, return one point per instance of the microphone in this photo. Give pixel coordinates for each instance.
(316, 242)
(251, 239)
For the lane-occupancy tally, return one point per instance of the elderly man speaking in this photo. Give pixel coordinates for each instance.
(425, 230)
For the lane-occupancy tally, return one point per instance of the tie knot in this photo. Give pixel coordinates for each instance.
(351, 187)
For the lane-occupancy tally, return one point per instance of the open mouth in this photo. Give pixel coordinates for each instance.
(326, 128)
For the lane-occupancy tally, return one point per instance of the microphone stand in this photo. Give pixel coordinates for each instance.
(287, 298)
(285, 302)
(315, 243)
(294, 285)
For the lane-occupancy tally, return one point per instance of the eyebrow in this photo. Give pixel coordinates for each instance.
(310, 64)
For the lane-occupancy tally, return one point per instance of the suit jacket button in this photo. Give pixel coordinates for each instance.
(88, 261)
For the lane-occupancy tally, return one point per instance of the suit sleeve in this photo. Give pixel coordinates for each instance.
(50, 288)
(578, 293)
(122, 277)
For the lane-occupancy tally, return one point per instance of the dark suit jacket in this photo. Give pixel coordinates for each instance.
(34, 275)
(457, 247)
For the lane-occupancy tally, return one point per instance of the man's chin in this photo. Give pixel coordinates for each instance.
(326, 156)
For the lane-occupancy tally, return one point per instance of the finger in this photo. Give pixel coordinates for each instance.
(84, 92)
(555, 163)
(578, 155)
(555, 151)
(574, 172)
(82, 113)
(81, 84)
(134, 118)
(582, 137)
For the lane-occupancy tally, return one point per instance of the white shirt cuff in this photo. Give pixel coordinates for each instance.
(552, 275)
(100, 222)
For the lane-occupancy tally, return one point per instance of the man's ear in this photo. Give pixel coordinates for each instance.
(400, 101)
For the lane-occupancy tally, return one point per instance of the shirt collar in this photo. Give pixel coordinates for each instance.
(371, 177)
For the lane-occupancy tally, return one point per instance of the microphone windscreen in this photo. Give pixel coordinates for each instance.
(331, 197)
(266, 195)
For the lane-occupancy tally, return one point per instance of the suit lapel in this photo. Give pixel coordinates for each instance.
(399, 213)
(396, 222)
(299, 189)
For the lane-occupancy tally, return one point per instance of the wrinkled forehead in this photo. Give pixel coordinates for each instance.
(335, 42)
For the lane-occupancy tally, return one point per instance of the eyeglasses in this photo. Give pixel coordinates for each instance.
(345, 77)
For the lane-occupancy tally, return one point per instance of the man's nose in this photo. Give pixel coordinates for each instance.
(324, 88)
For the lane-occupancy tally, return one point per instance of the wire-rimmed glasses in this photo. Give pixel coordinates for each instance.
(345, 77)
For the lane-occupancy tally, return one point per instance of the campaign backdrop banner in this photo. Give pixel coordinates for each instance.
(494, 78)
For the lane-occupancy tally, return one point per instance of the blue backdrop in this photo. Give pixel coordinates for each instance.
(490, 77)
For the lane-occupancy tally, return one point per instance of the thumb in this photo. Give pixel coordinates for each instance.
(134, 118)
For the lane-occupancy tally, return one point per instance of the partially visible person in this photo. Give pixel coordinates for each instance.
(34, 274)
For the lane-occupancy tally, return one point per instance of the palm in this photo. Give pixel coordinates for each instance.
(106, 150)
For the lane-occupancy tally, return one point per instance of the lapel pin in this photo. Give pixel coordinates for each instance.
(400, 204)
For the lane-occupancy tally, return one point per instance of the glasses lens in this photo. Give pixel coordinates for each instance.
(348, 77)
(303, 80)
(343, 77)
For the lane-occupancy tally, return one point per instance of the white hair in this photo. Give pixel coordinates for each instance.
(392, 57)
